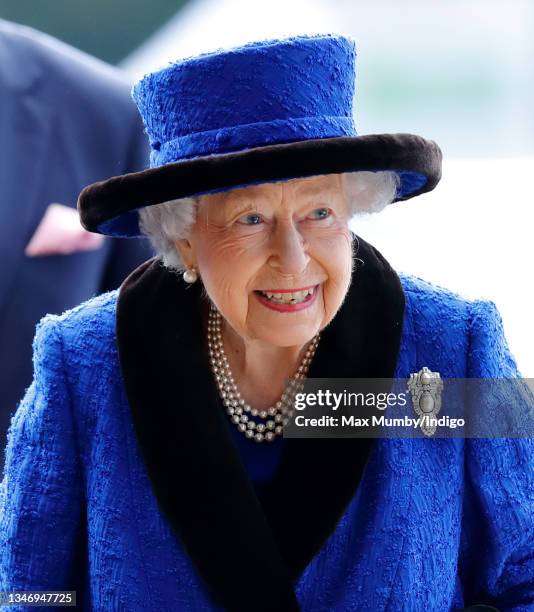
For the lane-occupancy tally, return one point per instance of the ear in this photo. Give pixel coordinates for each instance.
(186, 251)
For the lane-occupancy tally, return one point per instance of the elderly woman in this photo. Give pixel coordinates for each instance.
(146, 467)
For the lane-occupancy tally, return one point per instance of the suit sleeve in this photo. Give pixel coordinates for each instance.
(497, 562)
(41, 492)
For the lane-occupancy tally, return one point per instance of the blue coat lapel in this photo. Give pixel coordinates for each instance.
(185, 438)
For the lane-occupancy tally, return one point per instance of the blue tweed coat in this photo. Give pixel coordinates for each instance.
(121, 480)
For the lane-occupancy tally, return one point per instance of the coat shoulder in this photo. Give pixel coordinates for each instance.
(464, 337)
(87, 329)
(437, 326)
(428, 299)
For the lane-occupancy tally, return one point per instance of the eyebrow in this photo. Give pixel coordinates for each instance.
(251, 203)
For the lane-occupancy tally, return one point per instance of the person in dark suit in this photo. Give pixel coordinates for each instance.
(66, 120)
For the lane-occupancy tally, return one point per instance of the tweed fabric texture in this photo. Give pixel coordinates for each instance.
(258, 94)
(433, 524)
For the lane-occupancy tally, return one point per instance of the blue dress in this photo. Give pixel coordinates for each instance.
(260, 460)
(121, 482)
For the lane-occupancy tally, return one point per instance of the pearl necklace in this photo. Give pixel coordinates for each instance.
(276, 416)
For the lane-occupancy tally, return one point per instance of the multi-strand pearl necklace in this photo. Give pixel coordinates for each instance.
(271, 420)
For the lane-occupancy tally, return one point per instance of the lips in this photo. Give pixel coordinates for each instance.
(287, 296)
(285, 301)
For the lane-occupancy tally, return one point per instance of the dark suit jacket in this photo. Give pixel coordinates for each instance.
(66, 120)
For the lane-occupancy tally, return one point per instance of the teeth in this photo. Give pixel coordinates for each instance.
(289, 298)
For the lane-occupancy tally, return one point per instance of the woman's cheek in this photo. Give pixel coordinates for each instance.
(238, 240)
(217, 247)
(333, 247)
(331, 232)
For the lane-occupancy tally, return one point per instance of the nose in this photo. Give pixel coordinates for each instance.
(289, 249)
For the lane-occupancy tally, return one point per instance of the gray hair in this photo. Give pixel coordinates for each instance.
(164, 224)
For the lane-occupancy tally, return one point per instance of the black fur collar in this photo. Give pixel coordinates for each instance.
(237, 545)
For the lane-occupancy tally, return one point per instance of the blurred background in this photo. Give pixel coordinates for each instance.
(458, 72)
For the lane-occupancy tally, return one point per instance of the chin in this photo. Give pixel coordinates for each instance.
(287, 336)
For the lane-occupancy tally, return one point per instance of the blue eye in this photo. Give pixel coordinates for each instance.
(256, 219)
(325, 213)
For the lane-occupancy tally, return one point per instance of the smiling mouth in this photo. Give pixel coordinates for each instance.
(288, 297)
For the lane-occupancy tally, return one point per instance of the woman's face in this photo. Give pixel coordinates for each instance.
(277, 239)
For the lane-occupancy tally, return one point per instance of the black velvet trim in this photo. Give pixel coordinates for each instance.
(238, 545)
(106, 200)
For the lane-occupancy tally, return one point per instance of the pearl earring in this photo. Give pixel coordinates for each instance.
(190, 276)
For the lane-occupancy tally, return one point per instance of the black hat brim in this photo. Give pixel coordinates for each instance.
(109, 207)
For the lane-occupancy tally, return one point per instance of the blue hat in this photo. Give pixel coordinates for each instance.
(263, 112)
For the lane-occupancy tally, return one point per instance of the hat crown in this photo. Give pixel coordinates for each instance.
(261, 93)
